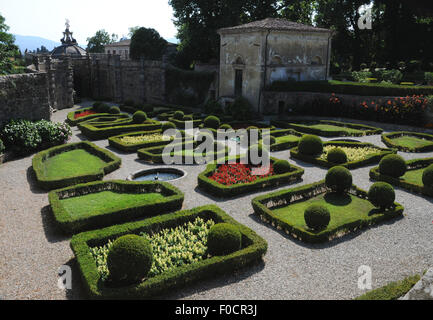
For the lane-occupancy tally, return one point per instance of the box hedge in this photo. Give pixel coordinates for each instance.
(264, 204)
(387, 139)
(224, 191)
(112, 163)
(173, 199)
(253, 249)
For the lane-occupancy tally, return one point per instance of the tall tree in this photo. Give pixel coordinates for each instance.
(147, 43)
(96, 43)
(8, 49)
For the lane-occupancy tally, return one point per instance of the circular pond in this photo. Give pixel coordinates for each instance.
(157, 174)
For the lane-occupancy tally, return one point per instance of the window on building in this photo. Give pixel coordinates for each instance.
(114, 51)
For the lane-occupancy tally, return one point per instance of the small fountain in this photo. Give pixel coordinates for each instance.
(157, 174)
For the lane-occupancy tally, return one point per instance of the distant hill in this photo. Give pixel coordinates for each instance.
(32, 43)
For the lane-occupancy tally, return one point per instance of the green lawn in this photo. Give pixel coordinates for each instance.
(106, 201)
(329, 127)
(288, 138)
(72, 163)
(414, 176)
(411, 142)
(344, 209)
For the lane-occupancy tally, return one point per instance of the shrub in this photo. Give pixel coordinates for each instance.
(96, 105)
(240, 109)
(223, 239)
(188, 118)
(53, 133)
(225, 127)
(392, 165)
(427, 176)
(338, 179)
(310, 145)
(114, 110)
(129, 259)
(428, 77)
(281, 166)
(103, 108)
(168, 125)
(145, 108)
(317, 217)
(252, 128)
(212, 122)
(402, 66)
(213, 107)
(337, 155)
(381, 195)
(2, 146)
(139, 117)
(178, 115)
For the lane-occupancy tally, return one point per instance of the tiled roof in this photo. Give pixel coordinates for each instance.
(273, 24)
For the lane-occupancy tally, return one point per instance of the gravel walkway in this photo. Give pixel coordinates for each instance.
(32, 250)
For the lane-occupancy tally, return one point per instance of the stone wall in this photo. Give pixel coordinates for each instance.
(24, 96)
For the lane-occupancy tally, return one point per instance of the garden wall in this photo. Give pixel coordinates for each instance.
(24, 96)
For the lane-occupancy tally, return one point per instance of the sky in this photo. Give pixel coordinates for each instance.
(46, 18)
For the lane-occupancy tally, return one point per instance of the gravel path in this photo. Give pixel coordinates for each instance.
(32, 250)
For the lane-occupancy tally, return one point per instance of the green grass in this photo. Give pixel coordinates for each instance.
(343, 208)
(72, 163)
(288, 138)
(328, 127)
(414, 176)
(411, 142)
(391, 291)
(106, 201)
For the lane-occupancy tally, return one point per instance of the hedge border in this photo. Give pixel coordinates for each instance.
(218, 190)
(311, 190)
(253, 251)
(412, 187)
(73, 122)
(180, 124)
(147, 155)
(94, 133)
(302, 126)
(113, 163)
(173, 199)
(387, 140)
(284, 145)
(371, 159)
(258, 124)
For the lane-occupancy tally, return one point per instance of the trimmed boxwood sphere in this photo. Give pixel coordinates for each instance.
(129, 259)
(178, 115)
(310, 145)
(225, 127)
(281, 166)
(223, 238)
(427, 176)
(381, 195)
(337, 155)
(212, 122)
(188, 118)
(338, 179)
(317, 217)
(114, 110)
(139, 117)
(392, 165)
(104, 108)
(168, 125)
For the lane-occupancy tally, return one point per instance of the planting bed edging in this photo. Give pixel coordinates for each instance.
(387, 140)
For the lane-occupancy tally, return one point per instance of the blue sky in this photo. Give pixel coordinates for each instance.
(46, 18)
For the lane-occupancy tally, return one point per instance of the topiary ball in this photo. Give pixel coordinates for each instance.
(338, 179)
(392, 165)
(252, 128)
(145, 108)
(225, 127)
(427, 176)
(96, 105)
(104, 108)
(129, 259)
(139, 117)
(317, 217)
(310, 145)
(188, 118)
(381, 195)
(223, 238)
(337, 155)
(212, 122)
(281, 166)
(178, 115)
(114, 110)
(168, 125)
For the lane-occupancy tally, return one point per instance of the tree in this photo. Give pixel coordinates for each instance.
(96, 43)
(8, 50)
(132, 31)
(147, 43)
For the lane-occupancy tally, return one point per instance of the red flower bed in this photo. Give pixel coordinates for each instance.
(84, 114)
(229, 174)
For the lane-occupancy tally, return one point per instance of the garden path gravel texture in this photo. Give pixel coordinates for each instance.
(32, 250)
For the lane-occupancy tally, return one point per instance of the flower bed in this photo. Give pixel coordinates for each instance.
(74, 163)
(156, 154)
(100, 204)
(131, 142)
(328, 128)
(232, 179)
(83, 245)
(359, 154)
(409, 141)
(412, 180)
(285, 211)
(75, 117)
